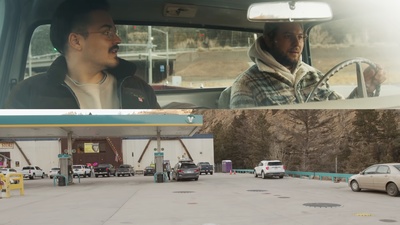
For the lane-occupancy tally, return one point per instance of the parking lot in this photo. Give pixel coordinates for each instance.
(218, 199)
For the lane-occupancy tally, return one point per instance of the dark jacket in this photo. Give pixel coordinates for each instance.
(49, 91)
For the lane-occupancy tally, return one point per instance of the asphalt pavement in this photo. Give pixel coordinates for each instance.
(219, 199)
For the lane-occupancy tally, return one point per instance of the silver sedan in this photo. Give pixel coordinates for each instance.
(380, 177)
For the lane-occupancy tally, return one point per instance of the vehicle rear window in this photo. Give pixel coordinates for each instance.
(274, 163)
(76, 167)
(397, 167)
(187, 166)
(28, 168)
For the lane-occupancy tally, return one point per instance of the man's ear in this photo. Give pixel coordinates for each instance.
(75, 41)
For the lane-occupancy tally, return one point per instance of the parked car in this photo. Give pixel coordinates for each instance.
(269, 168)
(206, 168)
(125, 169)
(205, 36)
(6, 171)
(54, 171)
(32, 172)
(81, 170)
(380, 177)
(149, 171)
(105, 169)
(185, 170)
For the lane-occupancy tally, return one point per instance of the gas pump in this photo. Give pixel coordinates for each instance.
(65, 169)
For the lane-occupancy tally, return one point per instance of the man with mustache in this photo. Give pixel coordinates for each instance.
(88, 74)
(279, 76)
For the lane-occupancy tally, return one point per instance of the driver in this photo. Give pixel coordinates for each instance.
(279, 76)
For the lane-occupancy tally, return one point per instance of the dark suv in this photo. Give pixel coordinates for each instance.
(185, 170)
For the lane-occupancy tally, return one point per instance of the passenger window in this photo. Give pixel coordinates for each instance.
(383, 170)
(371, 170)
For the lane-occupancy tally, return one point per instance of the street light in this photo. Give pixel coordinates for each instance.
(166, 47)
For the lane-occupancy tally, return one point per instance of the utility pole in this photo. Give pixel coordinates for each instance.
(150, 59)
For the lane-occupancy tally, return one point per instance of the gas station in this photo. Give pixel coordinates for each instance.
(156, 126)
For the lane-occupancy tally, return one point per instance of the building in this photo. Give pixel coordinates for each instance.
(138, 152)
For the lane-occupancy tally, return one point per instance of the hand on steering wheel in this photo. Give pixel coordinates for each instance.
(361, 86)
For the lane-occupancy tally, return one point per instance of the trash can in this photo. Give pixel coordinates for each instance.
(61, 181)
(160, 177)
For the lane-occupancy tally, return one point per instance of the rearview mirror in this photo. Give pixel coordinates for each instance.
(291, 11)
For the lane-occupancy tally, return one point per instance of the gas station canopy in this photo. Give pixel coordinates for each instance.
(80, 126)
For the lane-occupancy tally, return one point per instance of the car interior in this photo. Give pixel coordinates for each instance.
(191, 51)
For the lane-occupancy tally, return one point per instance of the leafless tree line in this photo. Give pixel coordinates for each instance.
(305, 140)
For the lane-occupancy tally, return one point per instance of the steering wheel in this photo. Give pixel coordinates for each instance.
(361, 88)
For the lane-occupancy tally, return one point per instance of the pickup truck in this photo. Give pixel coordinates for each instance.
(32, 171)
(205, 167)
(125, 169)
(105, 169)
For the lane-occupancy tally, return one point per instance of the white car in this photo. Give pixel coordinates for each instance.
(6, 171)
(269, 168)
(81, 170)
(54, 171)
(32, 171)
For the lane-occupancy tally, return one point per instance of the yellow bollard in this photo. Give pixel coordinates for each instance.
(14, 181)
(2, 184)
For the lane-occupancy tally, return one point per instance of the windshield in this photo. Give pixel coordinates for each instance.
(188, 166)
(103, 165)
(181, 57)
(334, 42)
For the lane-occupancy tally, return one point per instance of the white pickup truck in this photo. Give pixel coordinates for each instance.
(32, 171)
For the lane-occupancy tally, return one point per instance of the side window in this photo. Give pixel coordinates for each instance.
(41, 51)
(383, 170)
(371, 170)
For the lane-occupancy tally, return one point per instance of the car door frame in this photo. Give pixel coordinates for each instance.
(380, 179)
(365, 179)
